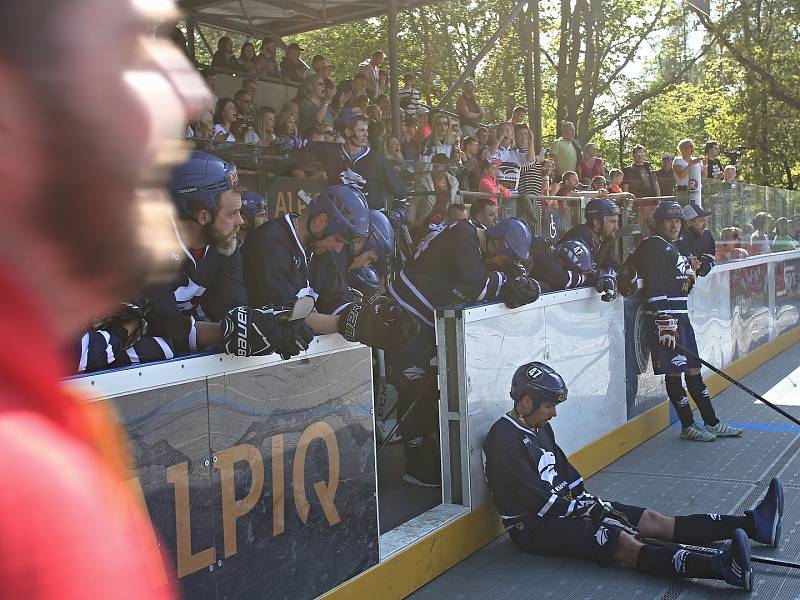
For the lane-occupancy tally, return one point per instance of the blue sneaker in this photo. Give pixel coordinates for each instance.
(767, 515)
(732, 561)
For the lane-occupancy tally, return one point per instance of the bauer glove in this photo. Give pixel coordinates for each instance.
(519, 291)
(248, 331)
(378, 322)
(606, 285)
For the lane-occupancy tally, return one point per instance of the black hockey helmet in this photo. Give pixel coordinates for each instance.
(598, 208)
(668, 209)
(538, 381)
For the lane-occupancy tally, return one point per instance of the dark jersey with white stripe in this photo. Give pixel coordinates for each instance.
(99, 350)
(450, 270)
(663, 269)
(551, 275)
(277, 269)
(701, 247)
(528, 473)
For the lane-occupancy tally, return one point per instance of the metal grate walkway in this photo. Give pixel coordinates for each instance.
(675, 477)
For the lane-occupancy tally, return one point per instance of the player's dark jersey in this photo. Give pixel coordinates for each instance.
(528, 473)
(548, 272)
(277, 269)
(382, 180)
(602, 252)
(701, 247)
(663, 269)
(449, 270)
(102, 349)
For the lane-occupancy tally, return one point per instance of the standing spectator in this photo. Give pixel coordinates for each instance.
(783, 241)
(549, 187)
(292, 66)
(759, 239)
(615, 181)
(376, 129)
(386, 106)
(565, 150)
(469, 109)
(730, 246)
(393, 150)
(689, 171)
(424, 128)
(224, 118)
(383, 80)
(713, 165)
(488, 182)
(590, 166)
(438, 142)
(442, 189)
(501, 148)
(639, 178)
(599, 184)
(518, 116)
(263, 131)
(245, 107)
(371, 69)
(409, 143)
(665, 176)
(569, 184)
(223, 58)
(409, 97)
(269, 57)
(246, 56)
(315, 104)
(482, 135)
(470, 174)
(350, 89)
(317, 64)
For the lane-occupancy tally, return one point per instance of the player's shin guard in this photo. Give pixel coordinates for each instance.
(700, 396)
(702, 529)
(677, 395)
(669, 562)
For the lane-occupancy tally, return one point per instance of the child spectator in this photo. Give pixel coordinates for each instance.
(599, 183)
(488, 182)
(615, 181)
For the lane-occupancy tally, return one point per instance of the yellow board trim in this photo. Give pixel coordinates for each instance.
(413, 567)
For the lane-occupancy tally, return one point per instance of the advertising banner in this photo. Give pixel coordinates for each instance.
(749, 294)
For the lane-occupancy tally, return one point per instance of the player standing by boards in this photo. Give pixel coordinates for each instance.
(461, 264)
(543, 502)
(695, 241)
(668, 279)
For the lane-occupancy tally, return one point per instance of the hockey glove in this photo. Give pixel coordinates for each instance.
(606, 285)
(248, 331)
(378, 322)
(128, 324)
(283, 144)
(627, 280)
(602, 512)
(519, 291)
(667, 327)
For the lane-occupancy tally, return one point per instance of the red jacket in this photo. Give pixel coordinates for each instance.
(487, 184)
(69, 525)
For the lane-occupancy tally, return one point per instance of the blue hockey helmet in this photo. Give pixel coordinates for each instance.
(514, 237)
(202, 178)
(252, 202)
(597, 208)
(364, 279)
(381, 234)
(668, 209)
(345, 118)
(348, 214)
(574, 255)
(540, 382)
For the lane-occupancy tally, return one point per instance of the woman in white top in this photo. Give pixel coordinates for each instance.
(689, 171)
(263, 131)
(224, 118)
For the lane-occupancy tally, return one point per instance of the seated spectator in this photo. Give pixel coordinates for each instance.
(501, 146)
(246, 56)
(442, 188)
(759, 239)
(488, 182)
(223, 58)
(376, 135)
(350, 89)
(286, 123)
(518, 116)
(438, 142)
(203, 126)
(408, 142)
(392, 149)
(268, 63)
(639, 178)
(385, 105)
(469, 109)
(370, 68)
(599, 184)
(665, 176)
(409, 97)
(615, 181)
(569, 184)
(374, 112)
(292, 66)
(263, 132)
(590, 166)
(250, 86)
(730, 245)
(245, 107)
(470, 174)
(482, 135)
(783, 241)
(254, 213)
(224, 119)
(315, 103)
(483, 213)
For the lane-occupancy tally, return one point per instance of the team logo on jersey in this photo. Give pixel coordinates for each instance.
(684, 401)
(535, 373)
(714, 517)
(679, 360)
(601, 536)
(413, 373)
(679, 561)
(547, 467)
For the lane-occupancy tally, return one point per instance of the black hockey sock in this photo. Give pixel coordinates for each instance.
(677, 395)
(702, 529)
(699, 393)
(669, 562)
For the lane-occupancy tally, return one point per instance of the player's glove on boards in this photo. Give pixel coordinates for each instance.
(606, 285)
(248, 331)
(378, 322)
(519, 291)
(627, 280)
(667, 327)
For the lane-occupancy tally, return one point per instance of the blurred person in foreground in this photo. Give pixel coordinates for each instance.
(69, 523)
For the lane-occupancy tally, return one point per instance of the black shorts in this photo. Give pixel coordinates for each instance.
(573, 538)
(670, 362)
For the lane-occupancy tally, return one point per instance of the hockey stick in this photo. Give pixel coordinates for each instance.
(737, 384)
(766, 560)
(401, 420)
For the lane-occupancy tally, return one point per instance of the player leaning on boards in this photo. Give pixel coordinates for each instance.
(542, 500)
(668, 279)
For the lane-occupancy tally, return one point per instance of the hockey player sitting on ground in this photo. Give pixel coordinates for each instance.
(542, 500)
(668, 278)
